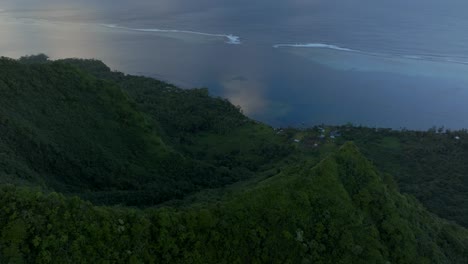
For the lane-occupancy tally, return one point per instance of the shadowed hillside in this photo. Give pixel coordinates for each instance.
(68, 131)
(207, 184)
(339, 211)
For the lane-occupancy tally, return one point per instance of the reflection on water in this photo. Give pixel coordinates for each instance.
(248, 95)
(378, 66)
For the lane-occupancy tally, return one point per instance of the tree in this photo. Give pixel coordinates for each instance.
(33, 59)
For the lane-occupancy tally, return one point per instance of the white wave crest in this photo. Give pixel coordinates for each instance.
(313, 45)
(413, 57)
(230, 39)
(233, 39)
(427, 58)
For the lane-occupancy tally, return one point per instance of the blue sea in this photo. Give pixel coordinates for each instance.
(398, 64)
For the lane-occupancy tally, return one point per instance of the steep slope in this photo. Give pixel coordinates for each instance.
(429, 165)
(63, 129)
(75, 127)
(339, 211)
(198, 125)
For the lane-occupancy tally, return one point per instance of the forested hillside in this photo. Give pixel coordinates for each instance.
(80, 144)
(196, 124)
(68, 131)
(339, 211)
(430, 165)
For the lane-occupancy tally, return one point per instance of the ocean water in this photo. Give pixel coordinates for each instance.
(287, 63)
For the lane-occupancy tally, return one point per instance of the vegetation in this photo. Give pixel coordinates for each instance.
(202, 127)
(339, 211)
(430, 165)
(79, 144)
(71, 132)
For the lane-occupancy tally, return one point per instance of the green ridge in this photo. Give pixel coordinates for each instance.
(67, 131)
(211, 185)
(339, 211)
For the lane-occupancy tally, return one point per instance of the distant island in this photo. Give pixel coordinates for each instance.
(98, 166)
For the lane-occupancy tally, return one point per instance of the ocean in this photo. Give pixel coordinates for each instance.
(397, 64)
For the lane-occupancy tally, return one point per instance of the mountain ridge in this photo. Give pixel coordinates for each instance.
(306, 214)
(187, 178)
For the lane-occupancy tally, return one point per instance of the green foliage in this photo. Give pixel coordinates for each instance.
(428, 165)
(34, 59)
(202, 127)
(339, 211)
(77, 128)
(68, 131)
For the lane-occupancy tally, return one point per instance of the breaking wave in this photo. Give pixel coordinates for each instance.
(430, 58)
(230, 39)
(314, 45)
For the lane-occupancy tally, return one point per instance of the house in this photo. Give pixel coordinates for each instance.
(297, 140)
(335, 134)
